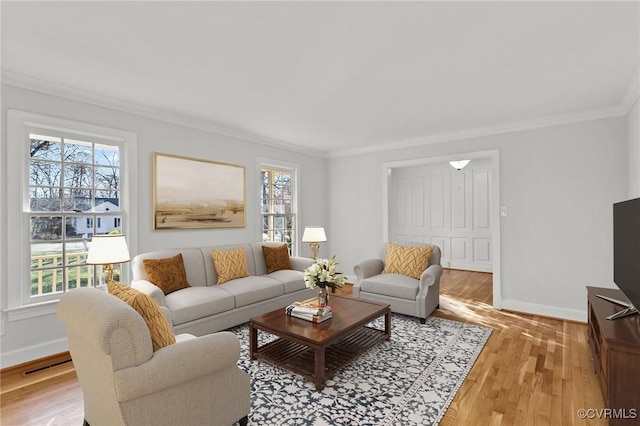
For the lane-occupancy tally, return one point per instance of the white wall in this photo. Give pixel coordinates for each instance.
(633, 134)
(27, 339)
(558, 183)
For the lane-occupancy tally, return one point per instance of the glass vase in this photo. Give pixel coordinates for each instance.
(323, 297)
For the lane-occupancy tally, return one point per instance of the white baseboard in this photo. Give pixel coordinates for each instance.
(545, 310)
(20, 356)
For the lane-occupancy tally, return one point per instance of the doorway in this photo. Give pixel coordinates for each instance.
(423, 201)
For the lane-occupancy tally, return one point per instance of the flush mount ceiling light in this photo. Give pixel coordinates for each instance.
(459, 165)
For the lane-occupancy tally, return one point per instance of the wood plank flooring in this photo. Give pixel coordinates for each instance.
(533, 370)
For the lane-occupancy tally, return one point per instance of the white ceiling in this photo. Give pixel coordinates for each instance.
(335, 76)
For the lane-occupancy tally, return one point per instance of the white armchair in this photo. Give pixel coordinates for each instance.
(195, 381)
(405, 295)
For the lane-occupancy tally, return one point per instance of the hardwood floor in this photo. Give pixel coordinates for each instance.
(533, 370)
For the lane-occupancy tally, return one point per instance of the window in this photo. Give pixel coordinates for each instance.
(278, 206)
(70, 182)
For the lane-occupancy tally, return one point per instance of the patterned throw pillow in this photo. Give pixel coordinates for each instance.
(230, 264)
(159, 329)
(168, 274)
(276, 258)
(406, 260)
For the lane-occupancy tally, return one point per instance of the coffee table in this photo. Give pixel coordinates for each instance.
(317, 351)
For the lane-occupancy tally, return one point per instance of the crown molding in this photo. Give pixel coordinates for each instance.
(488, 131)
(28, 83)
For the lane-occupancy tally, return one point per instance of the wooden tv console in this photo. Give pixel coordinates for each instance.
(616, 356)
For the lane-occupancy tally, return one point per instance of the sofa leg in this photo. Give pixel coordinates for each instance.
(244, 421)
(85, 423)
(423, 320)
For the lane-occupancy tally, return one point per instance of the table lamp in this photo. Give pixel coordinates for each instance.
(314, 235)
(107, 250)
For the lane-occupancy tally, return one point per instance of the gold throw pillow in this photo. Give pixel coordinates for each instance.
(230, 264)
(276, 258)
(406, 260)
(168, 274)
(159, 329)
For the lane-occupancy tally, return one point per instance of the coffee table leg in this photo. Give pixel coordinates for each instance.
(319, 369)
(253, 341)
(387, 325)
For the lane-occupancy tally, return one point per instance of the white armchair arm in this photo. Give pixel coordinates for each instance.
(367, 268)
(178, 363)
(430, 275)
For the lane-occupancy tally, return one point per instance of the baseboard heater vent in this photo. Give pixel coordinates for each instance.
(46, 367)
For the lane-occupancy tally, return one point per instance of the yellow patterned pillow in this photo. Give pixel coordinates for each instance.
(406, 260)
(276, 258)
(230, 264)
(159, 329)
(168, 274)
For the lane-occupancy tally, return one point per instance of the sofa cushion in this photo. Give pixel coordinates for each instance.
(292, 280)
(168, 274)
(276, 258)
(159, 329)
(198, 302)
(253, 289)
(407, 260)
(230, 264)
(395, 285)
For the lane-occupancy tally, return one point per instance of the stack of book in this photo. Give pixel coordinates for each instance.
(309, 310)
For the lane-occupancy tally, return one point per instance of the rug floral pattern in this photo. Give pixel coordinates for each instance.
(409, 380)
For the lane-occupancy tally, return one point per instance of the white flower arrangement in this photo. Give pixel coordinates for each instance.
(324, 274)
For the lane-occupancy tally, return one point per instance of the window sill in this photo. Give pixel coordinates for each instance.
(31, 311)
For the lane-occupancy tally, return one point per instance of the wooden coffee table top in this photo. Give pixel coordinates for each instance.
(318, 351)
(348, 314)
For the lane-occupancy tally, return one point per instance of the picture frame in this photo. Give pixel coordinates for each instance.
(192, 193)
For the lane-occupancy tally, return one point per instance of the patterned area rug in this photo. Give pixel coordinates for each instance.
(409, 380)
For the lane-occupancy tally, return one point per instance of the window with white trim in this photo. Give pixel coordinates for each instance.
(68, 184)
(278, 206)
(72, 185)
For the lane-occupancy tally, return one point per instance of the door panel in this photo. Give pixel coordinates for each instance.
(449, 208)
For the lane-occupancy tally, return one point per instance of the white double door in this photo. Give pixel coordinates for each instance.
(450, 208)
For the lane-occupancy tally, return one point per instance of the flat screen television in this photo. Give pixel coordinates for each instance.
(626, 254)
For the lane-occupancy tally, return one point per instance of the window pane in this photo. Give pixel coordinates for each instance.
(77, 152)
(106, 155)
(78, 176)
(43, 199)
(46, 228)
(45, 282)
(44, 173)
(77, 200)
(80, 276)
(45, 147)
(76, 227)
(107, 177)
(76, 252)
(46, 255)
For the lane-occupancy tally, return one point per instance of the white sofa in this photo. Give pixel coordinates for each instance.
(206, 307)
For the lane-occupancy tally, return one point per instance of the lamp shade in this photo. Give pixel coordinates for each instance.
(107, 249)
(460, 164)
(314, 234)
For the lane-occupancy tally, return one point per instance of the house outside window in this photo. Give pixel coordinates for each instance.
(278, 205)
